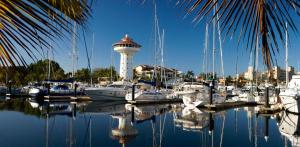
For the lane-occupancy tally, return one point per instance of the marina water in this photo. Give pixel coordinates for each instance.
(29, 123)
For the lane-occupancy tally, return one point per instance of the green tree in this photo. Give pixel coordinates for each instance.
(189, 75)
(229, 80)
(15, 74)
(107, 73)
(39, 71)
(82, 75)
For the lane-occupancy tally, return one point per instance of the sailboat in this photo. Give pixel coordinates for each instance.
(153, 93)
(290, 97)
(202, 94)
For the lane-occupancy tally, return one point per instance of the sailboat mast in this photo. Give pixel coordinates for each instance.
(221, 47)
(92, 57)
(74, 56)
(286, 55)
(162, 56)
(256, 58)
(49, 63)
(205, 66)
(214, 43)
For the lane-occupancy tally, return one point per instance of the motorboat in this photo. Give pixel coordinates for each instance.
(187, 88)
(146, 91)
(290, 97)
(36, 90)
(201, 98)
(114, 91)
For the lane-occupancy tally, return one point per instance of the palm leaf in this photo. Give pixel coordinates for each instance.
(251, 18)
(28, 25)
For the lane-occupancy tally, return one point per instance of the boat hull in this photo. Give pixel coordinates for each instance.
(146, 96)
(291, 103)
(106, 94)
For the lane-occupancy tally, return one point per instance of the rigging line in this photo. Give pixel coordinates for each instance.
(220, 45)
(86, 49)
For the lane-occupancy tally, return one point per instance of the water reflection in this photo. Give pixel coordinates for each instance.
(289, 127)
(119, 124)
(191, 119)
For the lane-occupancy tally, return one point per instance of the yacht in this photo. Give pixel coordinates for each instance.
(115, 91)
(290, 97)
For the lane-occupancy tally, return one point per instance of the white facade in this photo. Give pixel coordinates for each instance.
(126, 47)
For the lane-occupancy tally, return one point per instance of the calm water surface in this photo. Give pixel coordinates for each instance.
(28, 123)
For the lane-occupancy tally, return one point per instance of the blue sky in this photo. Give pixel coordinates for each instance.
(184, 40)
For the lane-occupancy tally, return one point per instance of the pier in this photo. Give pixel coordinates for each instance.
(226, 105)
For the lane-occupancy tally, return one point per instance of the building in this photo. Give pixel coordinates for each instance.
(127, 48)
(249, 74)
(280, 74)
(147, 71)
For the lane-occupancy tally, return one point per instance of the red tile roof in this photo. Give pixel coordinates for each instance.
(126, 42)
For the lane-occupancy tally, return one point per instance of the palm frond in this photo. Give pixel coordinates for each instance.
(28, 25)
(251, 18)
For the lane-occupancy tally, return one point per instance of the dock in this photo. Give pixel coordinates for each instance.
(226, 105)
(273, 109)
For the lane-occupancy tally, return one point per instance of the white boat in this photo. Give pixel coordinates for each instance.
(146, 95)
(289, 127)
(201, 98)
(290, 97)
(114, 91)
(61, 90)
(188, 88)
(36, 90)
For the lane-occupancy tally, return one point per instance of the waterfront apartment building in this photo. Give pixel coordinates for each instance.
(277, 73)
(280, 74)
(147, 71)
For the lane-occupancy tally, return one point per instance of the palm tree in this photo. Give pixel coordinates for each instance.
(265, 19)
(28, 25)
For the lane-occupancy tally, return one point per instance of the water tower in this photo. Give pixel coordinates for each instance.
(126, 47)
